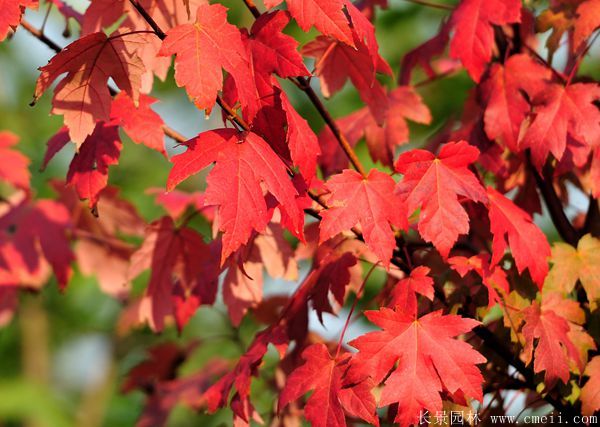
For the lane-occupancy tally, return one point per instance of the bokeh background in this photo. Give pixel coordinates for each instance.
(62, 359)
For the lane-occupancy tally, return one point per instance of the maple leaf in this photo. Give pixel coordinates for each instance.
(506, 107)
(571, 264)
(337, 62)
(243, 161)
(404, 103)
(590, 393)
(327, 16)
(513, 227)
(324, 374)
(473, 22)
(561, 111)
(404, 294)
(32, 234)
(554, 347)
(271, 50)
(587, 19)
(99, 250)
(430, 360)
(434, 184)
(140, 122)
(302, 141)
(11, 12)
(493, 276)
(88, 171)
(240, 377)
(369, 202)
(14, 165)
(184, 275)
(176, 202)
(82, 96)
(202, 49)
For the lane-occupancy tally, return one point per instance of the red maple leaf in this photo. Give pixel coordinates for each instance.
(82, 96)
(243, 161)
(140, 122)
(513, 227)
(554, 346)
(88, 171)
(327, 16)
(271, 50)
(586, 21)
(560, 112)
(32, 234)
(430, 361)
(506, 106)
(331, 398)
(337, 62)
(382, 140)
(302, 141)
(369, 202)
(202, 50)
(473, 22)
(404, 294)
(14, 165)
(184, 275)
(434, 184)
(11, 12)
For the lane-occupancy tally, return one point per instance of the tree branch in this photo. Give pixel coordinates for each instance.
(559, 218)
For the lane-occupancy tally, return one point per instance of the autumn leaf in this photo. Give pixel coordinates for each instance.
(82, 96)
(11, 12)
(184, 274)
(560, 112)
(243, 161)
(369, 202)
(331, 397)
(587, 19)
(140, 122)
(571, 264)
(88, 171)
(14, 165)
(404, 294)
(31, 235)
(473, 22)
(434, 184)
(554, 347)
(302, 141)
(590, 393)
(327, 16)
(273, 51)
(202, 50)
(404, 104)
(430, 361)
(513, 227)
(337, 62)
(506, 106)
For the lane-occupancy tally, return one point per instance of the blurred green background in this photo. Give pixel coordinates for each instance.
(61, 363)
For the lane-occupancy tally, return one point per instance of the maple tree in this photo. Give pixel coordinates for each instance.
(445, 244)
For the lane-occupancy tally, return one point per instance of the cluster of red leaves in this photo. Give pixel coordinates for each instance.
(436, 216)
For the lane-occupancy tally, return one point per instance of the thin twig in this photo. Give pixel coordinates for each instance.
(431, 4)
